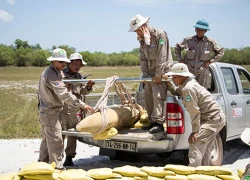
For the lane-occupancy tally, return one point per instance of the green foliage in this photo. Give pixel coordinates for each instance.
(23, 54)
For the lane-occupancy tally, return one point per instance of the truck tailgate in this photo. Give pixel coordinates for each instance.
(134, 140)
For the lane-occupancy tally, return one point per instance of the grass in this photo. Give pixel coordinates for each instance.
(18, 99)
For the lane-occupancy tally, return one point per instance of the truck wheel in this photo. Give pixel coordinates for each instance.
(216, 154)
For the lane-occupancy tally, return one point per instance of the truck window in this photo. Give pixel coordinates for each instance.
(229, 80)
(245, 80)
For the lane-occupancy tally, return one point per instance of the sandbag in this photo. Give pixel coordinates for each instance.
(118, 117)
(7, 176)
(229, 177)
(180, 169)
(74, 174)
(106, 134)
(157, 171)
(102, 173)
(213, 170)
(130, 171)
(240, 172)
(37, 168)
(40, 177)
(177, 177)
(201, 177)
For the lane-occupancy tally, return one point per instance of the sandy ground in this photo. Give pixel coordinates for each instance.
(16, 153)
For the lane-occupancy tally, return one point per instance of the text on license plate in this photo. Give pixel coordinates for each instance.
(121, 145)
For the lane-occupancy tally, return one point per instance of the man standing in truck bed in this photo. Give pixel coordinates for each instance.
(155, 60)
(199, 52)
(206, 115)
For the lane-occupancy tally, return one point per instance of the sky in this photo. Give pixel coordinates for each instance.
(102, 25)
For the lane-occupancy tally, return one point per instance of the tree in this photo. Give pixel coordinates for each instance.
(6, 55)
(21, 44)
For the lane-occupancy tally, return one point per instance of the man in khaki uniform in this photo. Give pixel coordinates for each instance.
(206, 115)
(199, 52)
(52, 96)
(155, 60)
(68, 116)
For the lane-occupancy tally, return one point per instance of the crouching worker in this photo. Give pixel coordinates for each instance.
(206, 115)
(52, 96)
(70, 115)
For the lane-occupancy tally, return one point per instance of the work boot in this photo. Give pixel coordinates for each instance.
(68, 161)
(157, 128)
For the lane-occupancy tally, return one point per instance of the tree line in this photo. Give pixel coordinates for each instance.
(22, 54)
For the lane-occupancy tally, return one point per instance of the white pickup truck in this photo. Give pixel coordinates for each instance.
(230, 86)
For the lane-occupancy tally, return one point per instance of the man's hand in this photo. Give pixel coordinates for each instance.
(206, 64)
(164, 76)
(156, 80)
(90, 83)
(68, 86)
(192, 138)
(88, 108)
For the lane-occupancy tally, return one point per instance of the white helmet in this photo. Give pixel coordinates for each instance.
(76, 56)
(179, 69)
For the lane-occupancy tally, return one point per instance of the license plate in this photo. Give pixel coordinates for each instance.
(121, 145)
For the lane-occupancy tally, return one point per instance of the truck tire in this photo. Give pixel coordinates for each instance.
(216, 154)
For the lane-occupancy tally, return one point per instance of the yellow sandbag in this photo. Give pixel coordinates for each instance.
(177, 177)
(74, 174)
(41, 177)
(157, 171)
(106, 134)
(144, 116)
(140, 124)
(16, 177)
(229, 177)
(213, 170)
(7, 176)
(240, 172)
(118, 117)
(37, 168)
(154, 178)
(102, 173)
(130, 171)
(201, 177)
(180, 169)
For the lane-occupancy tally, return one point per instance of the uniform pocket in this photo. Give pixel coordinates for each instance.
(190, 54)
(48, 119)
(204, 55)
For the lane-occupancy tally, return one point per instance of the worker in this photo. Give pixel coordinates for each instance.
(199, 52)
(155, 60)
(71, 115)
(207, 117)
(53, 94)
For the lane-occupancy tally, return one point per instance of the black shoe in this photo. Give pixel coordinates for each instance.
(68, 161)
(156, 129)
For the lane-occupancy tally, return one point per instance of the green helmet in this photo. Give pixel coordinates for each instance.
(202, 24)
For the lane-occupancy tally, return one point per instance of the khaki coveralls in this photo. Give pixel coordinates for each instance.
(155, 60)
(196, 53)
(68, 116)
(52, 95)
(207, 120)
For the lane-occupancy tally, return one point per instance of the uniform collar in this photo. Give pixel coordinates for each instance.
(203, 39)
(185, 82)
(58, 72)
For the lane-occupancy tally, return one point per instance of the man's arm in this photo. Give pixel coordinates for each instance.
(178, 48)
(144, 64)
(163, 56)
(218, 52)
